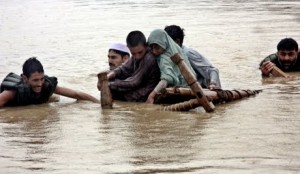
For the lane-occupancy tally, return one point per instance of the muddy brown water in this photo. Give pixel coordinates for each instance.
(256, 135)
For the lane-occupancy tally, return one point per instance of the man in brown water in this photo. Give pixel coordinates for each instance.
(137, 77)
(33, 87)
(287, 58)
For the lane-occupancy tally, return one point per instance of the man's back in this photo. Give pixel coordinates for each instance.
(206, 72)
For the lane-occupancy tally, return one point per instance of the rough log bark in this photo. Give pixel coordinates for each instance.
(193, 83)
(105, 95)
(217, 96)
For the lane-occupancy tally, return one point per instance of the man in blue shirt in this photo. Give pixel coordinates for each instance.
(207, 74)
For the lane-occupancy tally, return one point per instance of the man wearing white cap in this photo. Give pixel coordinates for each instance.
(118, 53)
(137, 77)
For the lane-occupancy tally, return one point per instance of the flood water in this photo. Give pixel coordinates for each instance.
(260, 134)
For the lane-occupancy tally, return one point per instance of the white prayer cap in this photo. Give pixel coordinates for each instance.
(120, 47)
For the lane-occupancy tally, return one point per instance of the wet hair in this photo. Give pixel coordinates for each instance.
(287, 44)
(135, 38)
(175, 32)
(32, 65)
(122, 53)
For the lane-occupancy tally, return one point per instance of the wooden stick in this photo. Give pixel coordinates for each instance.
(276, 72)
(187, 92)
(105, 95)
(210, 95)
(193, 83)
(218, 96)
(184, 106)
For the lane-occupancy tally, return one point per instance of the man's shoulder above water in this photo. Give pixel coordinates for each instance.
(274, 59)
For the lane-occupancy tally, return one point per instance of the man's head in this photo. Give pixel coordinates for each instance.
(117, 54)
(136, 42)
(176, 33)
(33, 74)
(287, 52)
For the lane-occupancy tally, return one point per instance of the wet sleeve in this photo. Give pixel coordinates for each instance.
(135, 79)
(214, 77)
(168, 71)
(203, 66)
(271, 57)
(124, 70)
(161, 85)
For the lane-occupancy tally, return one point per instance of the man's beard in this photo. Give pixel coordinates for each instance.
(112, 67)
(287, 64)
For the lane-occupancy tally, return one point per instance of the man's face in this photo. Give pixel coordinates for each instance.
(287, 58)
(156, 49)
(35, 81)
(115, 60)
(138, 52)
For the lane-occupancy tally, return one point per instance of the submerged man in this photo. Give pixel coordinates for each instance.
(137, 77)
(207, 74)
(287, 58)
(118, 53)
(33, 87)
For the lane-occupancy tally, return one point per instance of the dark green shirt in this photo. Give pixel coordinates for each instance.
(24, 94)
(274, 59)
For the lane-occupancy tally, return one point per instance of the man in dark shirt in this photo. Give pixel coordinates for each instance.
(34, 87)
(138, 76)
(287, 58)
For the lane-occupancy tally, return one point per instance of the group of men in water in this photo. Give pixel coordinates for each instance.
(139, 70)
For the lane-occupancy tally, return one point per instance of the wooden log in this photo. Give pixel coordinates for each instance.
(105, 95)
(218, 96)
(277, 72)
(184, 106)
(193, 83)
(181, 91)
(174, 95)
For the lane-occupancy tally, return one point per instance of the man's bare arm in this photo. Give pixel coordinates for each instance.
(6, 96)
(75, 94)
